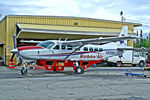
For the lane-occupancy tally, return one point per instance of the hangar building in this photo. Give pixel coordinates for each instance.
(53, 27)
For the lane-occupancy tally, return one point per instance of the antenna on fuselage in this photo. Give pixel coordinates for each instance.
(59, 38)
(66, 39)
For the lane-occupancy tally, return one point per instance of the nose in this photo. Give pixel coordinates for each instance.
(14, 50)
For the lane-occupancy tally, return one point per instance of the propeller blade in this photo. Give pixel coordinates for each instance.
(12, 57)
(18, 59)
(14, 41)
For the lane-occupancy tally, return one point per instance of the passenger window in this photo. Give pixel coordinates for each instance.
(63, 47)
(95, 49)
(85, 48)
(100, 49)
(90, 49)
(57, 47)
(69, 47)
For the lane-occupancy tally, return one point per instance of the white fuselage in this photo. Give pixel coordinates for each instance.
(60, 52)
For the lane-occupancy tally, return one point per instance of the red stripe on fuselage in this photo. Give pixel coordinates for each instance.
(29, 47)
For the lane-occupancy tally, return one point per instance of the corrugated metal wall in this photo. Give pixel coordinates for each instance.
(3, 31)
(2, 37)
(67, 21)
(13, 20)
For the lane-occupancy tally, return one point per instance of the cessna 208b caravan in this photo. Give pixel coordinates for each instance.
(79, 54)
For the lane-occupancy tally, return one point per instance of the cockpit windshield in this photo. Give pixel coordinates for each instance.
(46, 44)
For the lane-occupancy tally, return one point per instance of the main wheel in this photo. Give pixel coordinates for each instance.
(119, 64)
(23, 71)
(79, 70)
(142, 63)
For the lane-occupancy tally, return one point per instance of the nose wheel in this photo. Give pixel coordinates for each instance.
(23, 70)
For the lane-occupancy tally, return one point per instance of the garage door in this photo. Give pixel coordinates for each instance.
(1, 51)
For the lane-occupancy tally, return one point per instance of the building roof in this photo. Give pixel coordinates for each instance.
(67, 28)
(71, 17)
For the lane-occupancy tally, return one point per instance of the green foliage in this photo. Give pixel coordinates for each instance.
(142, 43)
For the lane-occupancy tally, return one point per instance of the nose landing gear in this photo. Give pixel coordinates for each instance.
(24, 70)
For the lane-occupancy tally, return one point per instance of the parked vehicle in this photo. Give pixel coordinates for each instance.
(128, 57)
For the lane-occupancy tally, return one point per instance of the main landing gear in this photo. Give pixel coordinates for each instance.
(79, 70)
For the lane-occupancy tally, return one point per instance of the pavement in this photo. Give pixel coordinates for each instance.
(100, 83)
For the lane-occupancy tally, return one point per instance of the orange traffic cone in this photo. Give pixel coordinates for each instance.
(11, 64)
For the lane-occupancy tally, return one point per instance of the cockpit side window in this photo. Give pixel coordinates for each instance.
(46, 44)
(57, 47)
(50, 45)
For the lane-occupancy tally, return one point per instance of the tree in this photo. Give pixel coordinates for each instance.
(143, 42)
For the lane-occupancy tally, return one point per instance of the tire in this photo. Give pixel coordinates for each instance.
(119, 64)
(110, 64)
(23, 71)
(133, 65)
(142, 63)
(79, 70)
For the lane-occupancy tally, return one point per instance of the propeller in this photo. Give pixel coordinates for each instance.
(14, 42)
(12, 57)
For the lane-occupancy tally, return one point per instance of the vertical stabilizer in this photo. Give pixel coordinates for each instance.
(124, 31)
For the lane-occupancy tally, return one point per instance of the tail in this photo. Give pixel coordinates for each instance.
(124, 31)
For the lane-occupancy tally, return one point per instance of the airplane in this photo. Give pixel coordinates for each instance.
(79, 54)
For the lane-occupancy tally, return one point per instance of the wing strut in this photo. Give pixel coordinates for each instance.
(74, 51)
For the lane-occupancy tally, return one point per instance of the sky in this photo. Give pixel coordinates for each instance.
(137, 11)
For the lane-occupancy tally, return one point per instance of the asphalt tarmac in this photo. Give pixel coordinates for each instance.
(100, 83)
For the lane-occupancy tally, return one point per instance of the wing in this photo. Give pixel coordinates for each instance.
(98, 41)
(25, 41)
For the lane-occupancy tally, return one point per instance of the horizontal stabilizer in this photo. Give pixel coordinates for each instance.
(134, 49)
